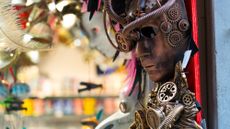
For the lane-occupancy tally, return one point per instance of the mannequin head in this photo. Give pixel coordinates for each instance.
(158, 58)
(158, 30)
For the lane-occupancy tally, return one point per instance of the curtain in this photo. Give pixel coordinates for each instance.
(194, 64)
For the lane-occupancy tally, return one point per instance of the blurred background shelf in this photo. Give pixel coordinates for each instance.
(75, 97)
(54, 122)
(80, 53)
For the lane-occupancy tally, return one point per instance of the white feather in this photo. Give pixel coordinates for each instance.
(11, 34)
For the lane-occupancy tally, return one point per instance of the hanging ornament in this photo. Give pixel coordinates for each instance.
(3, 91)
(63, 36)
(36, 15)
(11, 101)
(7, 57)
(18, 2)
(20, 90)
(42, 32)
(23, 15)
(11, 35)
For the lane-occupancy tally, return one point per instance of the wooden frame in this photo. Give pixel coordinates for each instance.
(207, 61)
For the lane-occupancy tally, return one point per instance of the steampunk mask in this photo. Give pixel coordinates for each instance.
(158, 29)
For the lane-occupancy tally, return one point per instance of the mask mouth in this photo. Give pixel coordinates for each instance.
(149, 66)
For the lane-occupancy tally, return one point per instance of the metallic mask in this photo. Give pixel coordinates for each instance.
(159, 30)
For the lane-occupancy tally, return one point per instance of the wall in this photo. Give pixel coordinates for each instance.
(222, 44)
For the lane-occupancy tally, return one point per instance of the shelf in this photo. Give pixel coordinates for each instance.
(74, 97)
(58, 118)
(53, 121)
(50, 121)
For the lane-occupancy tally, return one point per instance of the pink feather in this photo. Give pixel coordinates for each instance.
(117, 27)
(99, 4)
(84, 7)
(131, 69)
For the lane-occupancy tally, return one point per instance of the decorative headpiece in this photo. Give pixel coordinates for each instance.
(147, 19)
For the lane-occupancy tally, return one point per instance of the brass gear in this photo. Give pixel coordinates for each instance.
(167, 92)
(175, 38)
(140, 120)
(123, 44)
(154, 117)
(174, 13)
(183, 25)
(166, 27)
(187, 99)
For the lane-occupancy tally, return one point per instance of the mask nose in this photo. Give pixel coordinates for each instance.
(143, 48)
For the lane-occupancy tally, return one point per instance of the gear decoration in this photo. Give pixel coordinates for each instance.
(183, 25)
(154, 117)
(174, 14)
(167, 92)
(187, 99)
(175, 38)
(123, 44)
(166, 27)
(140, 121)
(171, 105)
(175, 27)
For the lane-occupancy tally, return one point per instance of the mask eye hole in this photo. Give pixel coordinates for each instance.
(148, 32)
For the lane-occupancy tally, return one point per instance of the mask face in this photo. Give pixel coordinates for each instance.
(159, 31)
(158, 58)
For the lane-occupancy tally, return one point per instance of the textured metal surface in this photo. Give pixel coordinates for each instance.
(140, 120)
(167, 92)
(188, 99)
(166, 27)
(171, 117)
(183, 25)
(123, 44)
(175, 38)
(176, 112)
(174, 13)
(154, 117)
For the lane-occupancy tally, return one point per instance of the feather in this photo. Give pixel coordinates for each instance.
(92, 7)
(84, 7)
(11, 35)
(132, 71)
(116, 55)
